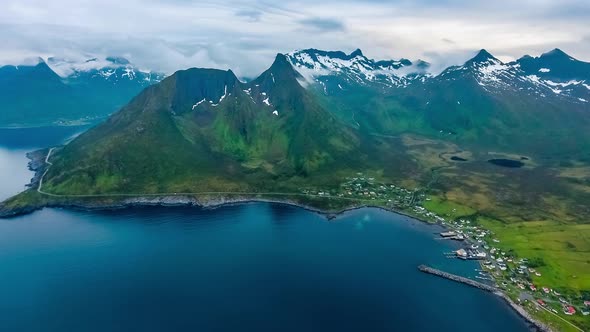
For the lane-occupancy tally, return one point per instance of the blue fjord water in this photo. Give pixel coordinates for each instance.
(252, 267)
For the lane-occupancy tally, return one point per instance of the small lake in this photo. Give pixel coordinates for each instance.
(456, 158)
(508, 163)
(252, 267)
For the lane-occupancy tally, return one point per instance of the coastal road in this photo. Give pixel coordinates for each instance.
(47, 162)
(556, 315)
(203, 193)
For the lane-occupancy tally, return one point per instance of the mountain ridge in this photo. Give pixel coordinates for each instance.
(277, 125)
(199, 119)
(36, 95)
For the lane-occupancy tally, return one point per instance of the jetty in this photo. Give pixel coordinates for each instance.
(454, 277)
(517, 308)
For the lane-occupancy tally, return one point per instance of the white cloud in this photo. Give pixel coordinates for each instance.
(245, 35)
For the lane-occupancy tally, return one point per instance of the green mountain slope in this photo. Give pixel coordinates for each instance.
(484, 103)
(202, 129)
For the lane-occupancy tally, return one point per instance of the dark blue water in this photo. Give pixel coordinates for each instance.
(253, 267)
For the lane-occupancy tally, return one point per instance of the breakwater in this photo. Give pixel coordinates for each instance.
(453, 277)
(519, 309)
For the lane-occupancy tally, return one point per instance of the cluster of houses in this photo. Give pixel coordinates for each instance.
(549, 296)
(421, 211)
(364, 187)
(501, 264)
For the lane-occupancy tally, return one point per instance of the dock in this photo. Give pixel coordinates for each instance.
(453, 277)
(452, 236)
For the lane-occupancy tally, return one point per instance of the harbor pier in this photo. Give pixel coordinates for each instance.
(453, 277)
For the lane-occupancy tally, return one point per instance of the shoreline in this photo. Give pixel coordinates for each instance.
(175, 201)
(192, 202)
(82, 123)
(39, 164)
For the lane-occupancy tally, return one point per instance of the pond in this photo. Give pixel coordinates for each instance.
(455, 158)
(509, 163)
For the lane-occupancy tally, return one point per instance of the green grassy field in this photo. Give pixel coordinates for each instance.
(564, 249)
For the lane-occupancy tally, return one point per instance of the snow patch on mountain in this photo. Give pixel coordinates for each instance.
(198, 103)
(556, 87)
(65, 67)
(129, 73)
(316, 65)
(106, 73)
(110, 68)
(493, 71)
(224, 94)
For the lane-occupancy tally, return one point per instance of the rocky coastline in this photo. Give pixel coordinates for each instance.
(37, 165)
(524, 314)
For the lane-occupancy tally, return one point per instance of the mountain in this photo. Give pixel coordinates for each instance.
(489, 103)
(36, 95)
(556, 65)
(353, 87)
(203, 129)
(32, 91)
(483, 102)
(112, 70)
(558, 72)
(337, 71)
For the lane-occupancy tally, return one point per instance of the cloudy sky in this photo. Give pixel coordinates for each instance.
(244, 35)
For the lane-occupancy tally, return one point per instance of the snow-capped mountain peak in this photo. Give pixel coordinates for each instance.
(319, 60)
(556, 53)
(111, 68)
(552, 74)
(320, 66)
(483, 56)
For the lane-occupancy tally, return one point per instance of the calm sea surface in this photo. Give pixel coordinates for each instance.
(250, 267)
